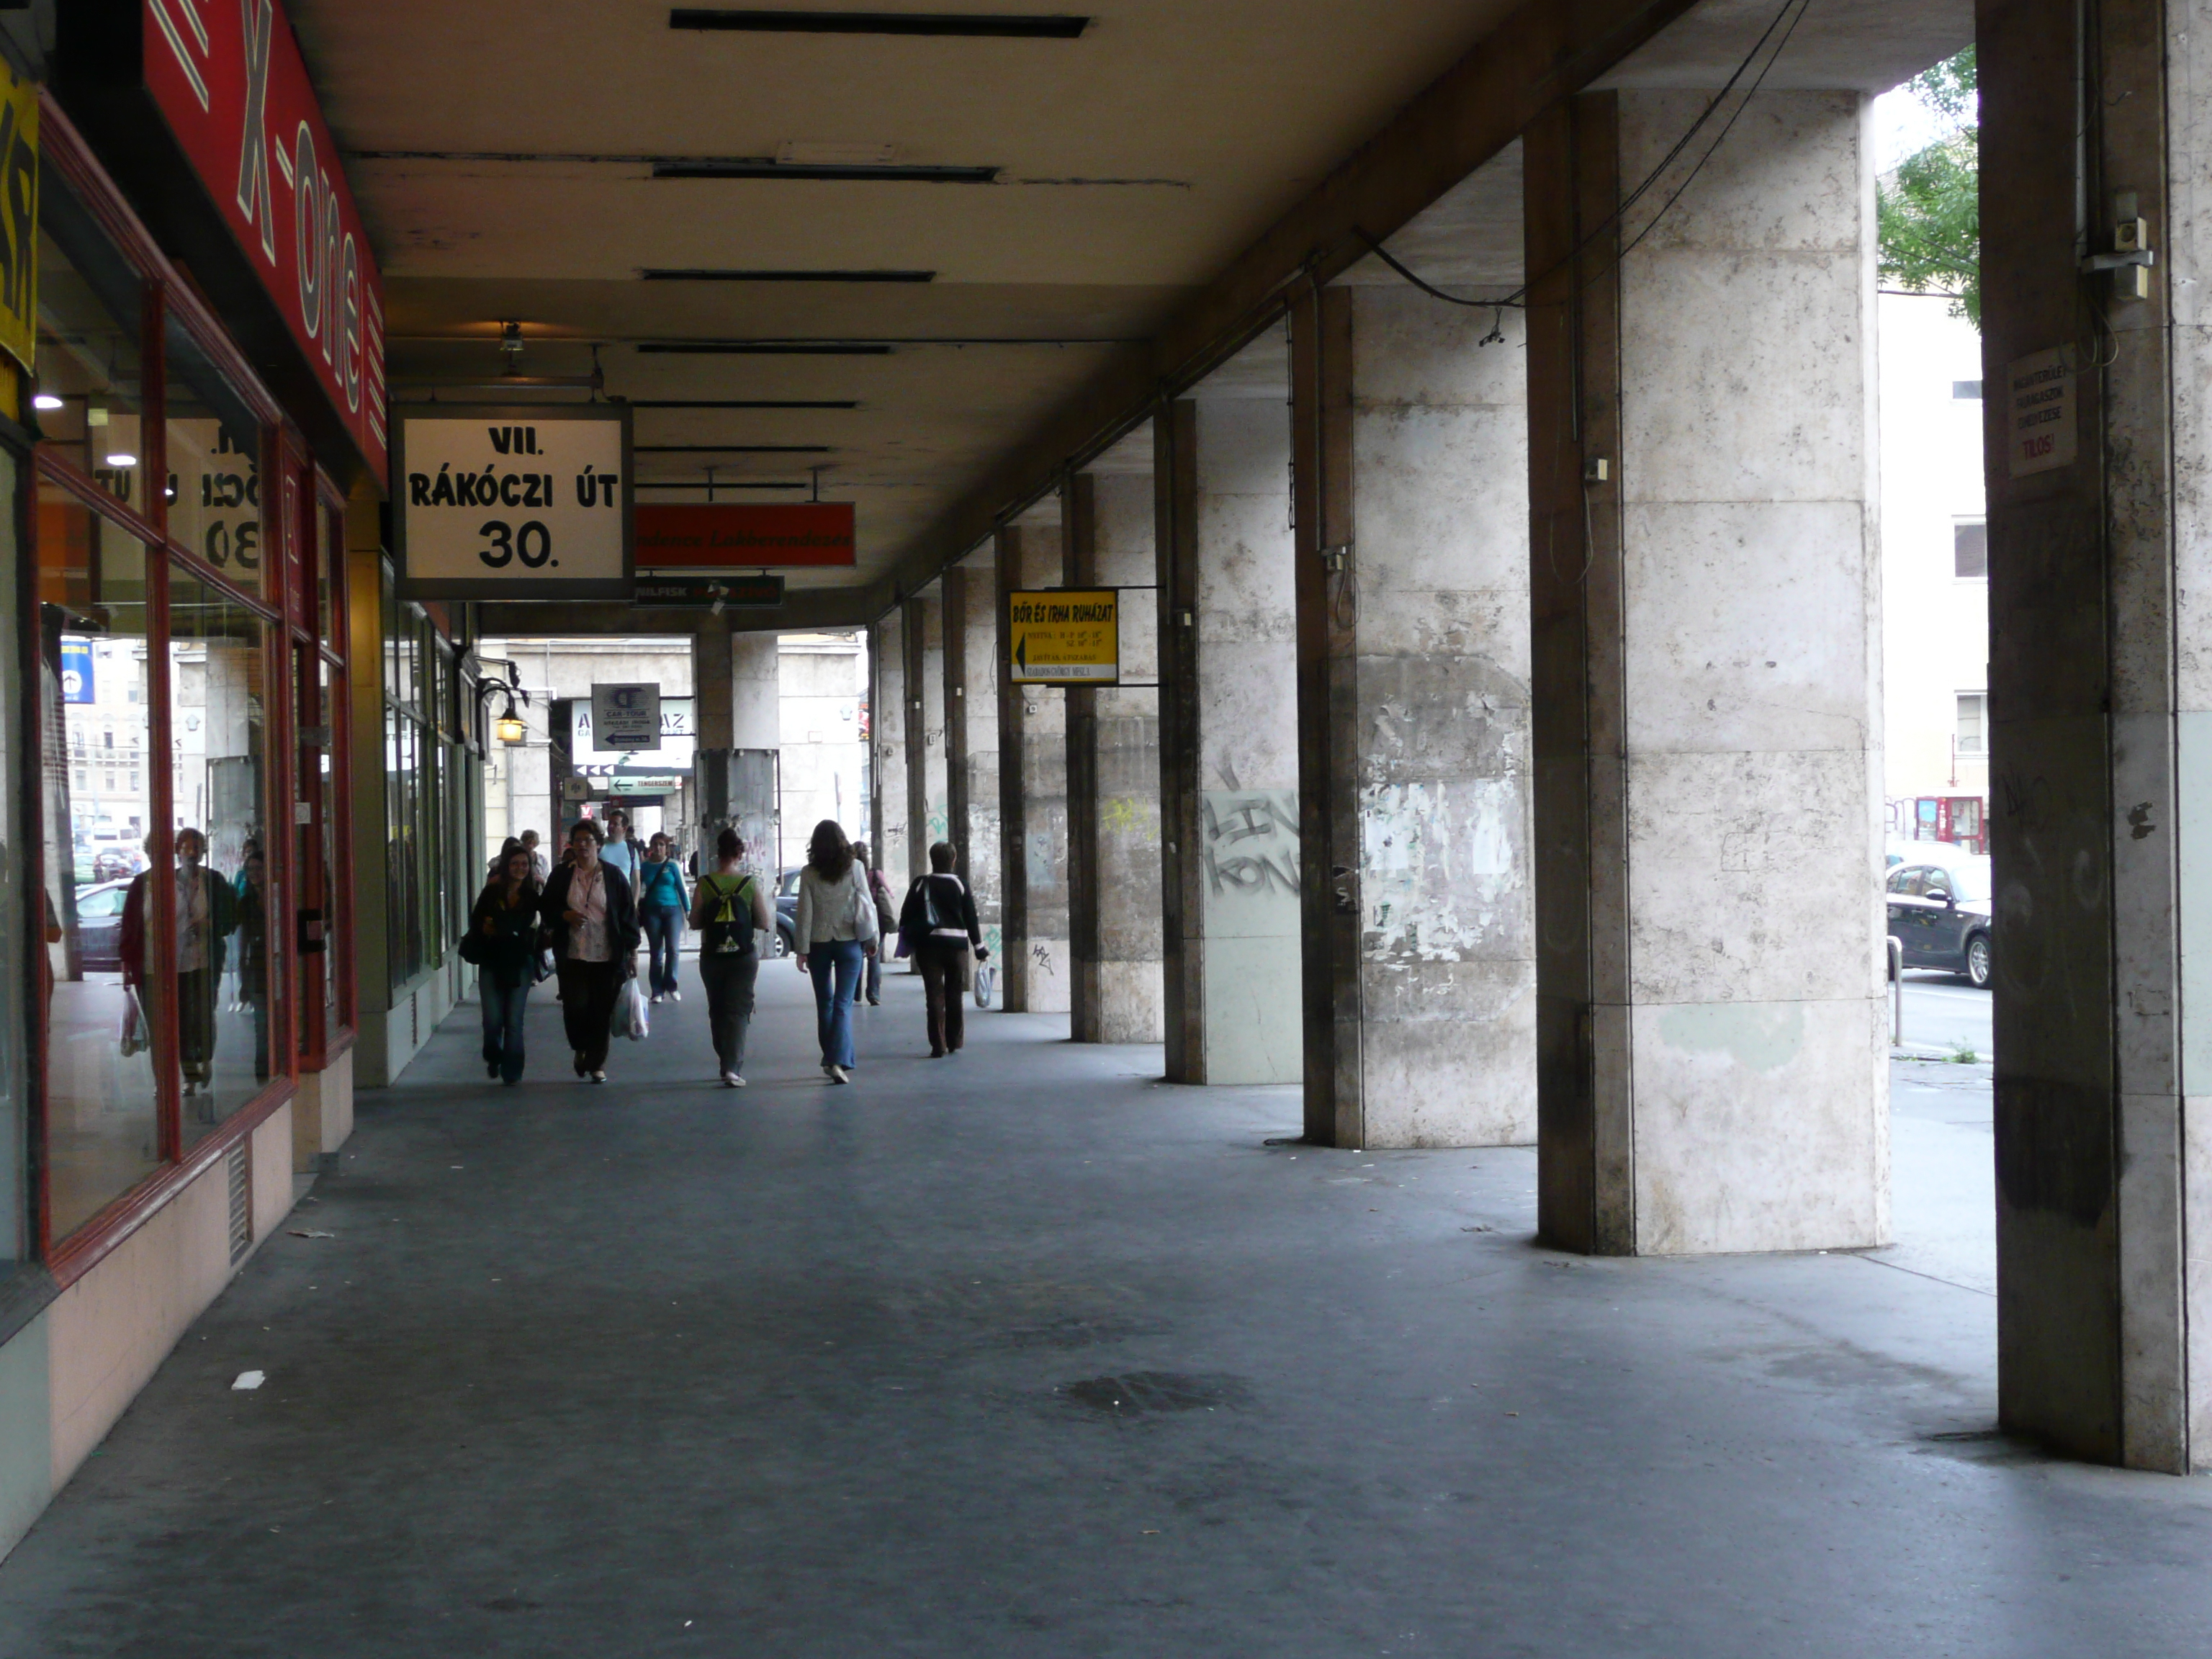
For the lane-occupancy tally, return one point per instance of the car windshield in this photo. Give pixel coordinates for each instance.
(1971, 880)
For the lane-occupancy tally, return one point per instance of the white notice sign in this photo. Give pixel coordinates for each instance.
(626, 719)
(527, 502)
(2040, 428)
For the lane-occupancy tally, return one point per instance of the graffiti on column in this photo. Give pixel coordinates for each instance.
(1251, 842)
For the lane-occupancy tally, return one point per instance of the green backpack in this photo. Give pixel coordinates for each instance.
(729, 930)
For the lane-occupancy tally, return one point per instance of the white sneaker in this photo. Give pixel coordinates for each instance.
(732, 1081)
(675, 996)
(837, 1074)
(598, 1076)
(656, 998)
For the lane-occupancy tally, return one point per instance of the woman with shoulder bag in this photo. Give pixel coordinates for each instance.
(502, 942)
(836, 929)
(592, 921)
(871, 981)
(939, 918)
(729, 912)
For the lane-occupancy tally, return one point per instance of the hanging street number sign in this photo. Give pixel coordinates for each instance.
(1064, 637)
(521, 502)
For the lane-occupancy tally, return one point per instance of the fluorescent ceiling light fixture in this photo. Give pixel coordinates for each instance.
(119, 458)
(1009, 25)
(882, 173)
(45, 400)
(758, 348)
(744, 402)
(701, 274)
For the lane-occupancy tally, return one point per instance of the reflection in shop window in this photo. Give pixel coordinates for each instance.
(219, 688)
(15, 934)
(89, 389)
(215, 466)
(102, 1118)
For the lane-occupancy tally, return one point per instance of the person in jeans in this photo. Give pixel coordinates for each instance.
(938, 918)
(503, 926)
(592, 920)
(835, 928)
(729, 912)
(617, 848)
(872, 985)
(661, 903)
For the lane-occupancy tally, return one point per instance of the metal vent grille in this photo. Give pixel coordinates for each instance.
(239, 1175)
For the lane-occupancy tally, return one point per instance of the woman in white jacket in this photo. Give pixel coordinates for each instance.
(835, 930)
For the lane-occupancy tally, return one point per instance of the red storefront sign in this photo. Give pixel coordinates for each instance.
(228, 78)
(711, 536)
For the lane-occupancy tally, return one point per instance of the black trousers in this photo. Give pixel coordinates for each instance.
(941, 961)
(729, 980)
(587, 1007)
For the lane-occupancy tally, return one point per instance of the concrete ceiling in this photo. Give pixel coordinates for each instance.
(504, 153)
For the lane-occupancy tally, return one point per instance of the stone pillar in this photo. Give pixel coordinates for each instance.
(1229, 785)
(1032, 796)
(971, 733)
(2100, 695)
(925, 732)
(1419, 970)
(1113, 775)
(887, 725)
(737, 720)
(1704, 575)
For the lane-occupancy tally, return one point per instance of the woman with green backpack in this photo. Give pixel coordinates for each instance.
(729, 912)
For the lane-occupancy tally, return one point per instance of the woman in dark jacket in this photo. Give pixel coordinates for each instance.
(503, 944)
(939, 923)
(591, 919)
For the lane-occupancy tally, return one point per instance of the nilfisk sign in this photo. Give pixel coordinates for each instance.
(521, 502)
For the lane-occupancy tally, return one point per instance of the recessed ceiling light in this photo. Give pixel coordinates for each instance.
(119, 458)
(45, 400)
(1002, 25)
(702, 274)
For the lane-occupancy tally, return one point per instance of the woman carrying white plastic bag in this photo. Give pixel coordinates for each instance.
(632, 1018)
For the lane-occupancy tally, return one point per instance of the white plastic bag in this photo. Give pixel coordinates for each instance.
(136, 1037)
(984, 980)
(631, 1020)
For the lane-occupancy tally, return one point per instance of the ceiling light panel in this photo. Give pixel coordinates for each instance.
(1006, 26)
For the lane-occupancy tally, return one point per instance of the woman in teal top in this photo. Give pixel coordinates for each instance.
(661, 904)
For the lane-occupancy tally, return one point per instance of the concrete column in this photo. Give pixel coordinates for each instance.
(1704, 575)
(1032, 794)
(887, 726)
(1228, 787)
(971, 733)
(2101, 694)
(925, 732)
(1419, 960)
(736, 719)
(1113, 775)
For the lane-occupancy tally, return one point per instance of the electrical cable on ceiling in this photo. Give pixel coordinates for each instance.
(1518, 299)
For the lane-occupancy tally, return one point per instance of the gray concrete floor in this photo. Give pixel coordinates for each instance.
(1027, 1353)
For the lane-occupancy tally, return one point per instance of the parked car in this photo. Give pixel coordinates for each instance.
(1947, 853)
(1940, 914)
(100, 927)
(787, 911)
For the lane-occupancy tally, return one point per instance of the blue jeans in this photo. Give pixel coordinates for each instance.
(503, 1010)
(664, 935)
(839, 961)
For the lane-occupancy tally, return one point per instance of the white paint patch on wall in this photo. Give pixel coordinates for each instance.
(1439, 872)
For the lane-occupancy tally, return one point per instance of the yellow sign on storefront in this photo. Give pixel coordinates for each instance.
(19, 217)
(1064, 637)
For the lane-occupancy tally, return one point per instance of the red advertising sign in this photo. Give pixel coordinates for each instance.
(227, 76)
(710, 536)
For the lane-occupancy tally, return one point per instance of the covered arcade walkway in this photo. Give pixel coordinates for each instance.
(1031, 1353)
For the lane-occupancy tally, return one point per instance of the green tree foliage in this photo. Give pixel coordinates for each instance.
(1930, 209)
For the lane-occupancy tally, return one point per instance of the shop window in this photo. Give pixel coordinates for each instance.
(104, 932)
(219, 691)
(90, 387)
(330, 568)
(1970, 550)
(214, 465)
(16, 935)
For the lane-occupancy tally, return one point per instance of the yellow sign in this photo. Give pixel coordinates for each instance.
(19, 217)
(1064, 637)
